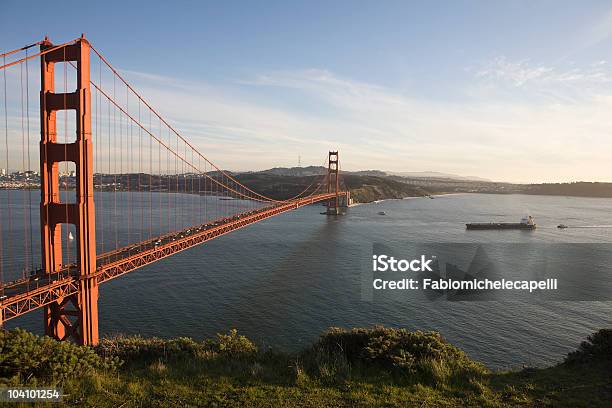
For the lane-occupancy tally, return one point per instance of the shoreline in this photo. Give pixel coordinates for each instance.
(483, 193)
(410, 198)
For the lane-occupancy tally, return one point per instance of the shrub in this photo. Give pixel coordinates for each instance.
(597, 347)
(137, 348)
(426, 355)
(231, 344)
(328, 364)
(134, 348)
(28, 358)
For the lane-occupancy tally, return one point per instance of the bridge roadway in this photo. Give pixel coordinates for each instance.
(40, 289)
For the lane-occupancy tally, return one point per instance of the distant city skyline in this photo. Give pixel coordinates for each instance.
(508, 91)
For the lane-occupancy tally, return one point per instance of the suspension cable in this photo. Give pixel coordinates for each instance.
(48, 50)
(187, 143)
(170, 127)
(25, 47)
(176, 154)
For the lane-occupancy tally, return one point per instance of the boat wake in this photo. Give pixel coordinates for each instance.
(590, 226)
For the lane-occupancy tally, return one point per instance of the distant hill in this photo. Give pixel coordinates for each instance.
(295, 171)
(315, 171)
(375, 173)
(437, 175)
(576, 189)
(363, 189)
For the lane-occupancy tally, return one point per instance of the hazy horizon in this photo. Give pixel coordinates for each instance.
(467, 177)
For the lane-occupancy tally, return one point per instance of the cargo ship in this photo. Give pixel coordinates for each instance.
(527, 223)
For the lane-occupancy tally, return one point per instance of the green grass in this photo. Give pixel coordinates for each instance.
(358, 368)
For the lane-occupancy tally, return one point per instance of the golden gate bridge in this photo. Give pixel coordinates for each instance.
(97, 137)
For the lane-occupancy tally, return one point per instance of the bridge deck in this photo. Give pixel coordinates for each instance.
(39, 289)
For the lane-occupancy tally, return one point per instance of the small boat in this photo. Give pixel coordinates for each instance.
(70, 236)
(561, 226)
(382, 213)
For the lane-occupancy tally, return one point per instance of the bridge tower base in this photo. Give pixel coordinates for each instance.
(333, 184)
(74, 317)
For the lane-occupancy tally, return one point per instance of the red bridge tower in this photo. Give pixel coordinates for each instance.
(333, 183)
(75, 316)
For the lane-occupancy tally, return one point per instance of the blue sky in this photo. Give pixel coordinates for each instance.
(513, 91)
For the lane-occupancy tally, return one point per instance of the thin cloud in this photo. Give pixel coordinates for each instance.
(242, 125)
(522, 73)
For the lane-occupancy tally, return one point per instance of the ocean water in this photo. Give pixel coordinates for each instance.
(283, 281)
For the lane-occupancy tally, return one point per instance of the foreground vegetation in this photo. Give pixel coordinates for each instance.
(361, 367)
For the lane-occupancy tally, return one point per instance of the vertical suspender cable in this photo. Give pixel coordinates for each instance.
(99, 158)
(199, 192)
(23, 168)
(167, 167)
(8, 191)
(176, 212)
(150, 181)
(29, 205)
(121, 182)
(141, 227)
(161, 190)
(110, 177)
(205, 195)
(127, 189)
(113, 155)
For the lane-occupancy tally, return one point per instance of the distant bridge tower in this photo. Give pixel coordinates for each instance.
(333, 184)
(74, 316)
